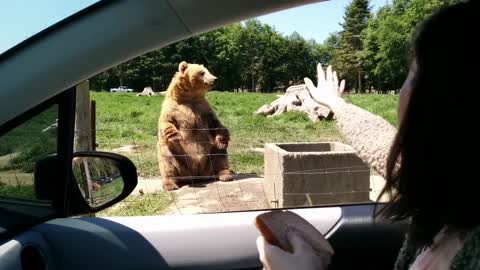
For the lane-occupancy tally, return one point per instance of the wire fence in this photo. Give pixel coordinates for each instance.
(276, 169)
(320, 173)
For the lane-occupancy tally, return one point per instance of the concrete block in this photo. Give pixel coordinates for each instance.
(304, 174)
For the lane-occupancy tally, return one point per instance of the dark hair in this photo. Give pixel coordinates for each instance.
(432, 167)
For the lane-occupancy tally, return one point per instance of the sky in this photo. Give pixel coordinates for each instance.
(21, 19)
(314, 21)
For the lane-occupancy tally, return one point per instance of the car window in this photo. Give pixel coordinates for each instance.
(279, 159)
(21, 148)
(282, 161)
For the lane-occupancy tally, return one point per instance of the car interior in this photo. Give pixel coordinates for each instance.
(57, 231)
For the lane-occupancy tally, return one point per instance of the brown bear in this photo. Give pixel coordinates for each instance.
(192, 142)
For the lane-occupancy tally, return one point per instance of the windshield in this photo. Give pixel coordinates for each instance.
(22, 19)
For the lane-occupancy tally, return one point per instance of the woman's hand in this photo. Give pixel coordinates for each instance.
(304, 256)
(328, 91)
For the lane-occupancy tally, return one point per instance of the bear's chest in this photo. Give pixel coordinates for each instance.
(193, 117)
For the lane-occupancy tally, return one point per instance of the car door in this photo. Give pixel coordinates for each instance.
(47, 238)
(202, 241)
(44, 130)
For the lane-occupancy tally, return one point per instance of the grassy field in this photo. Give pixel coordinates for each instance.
(20, 149)
(136, 205)
(381, 105)
(125, 119)
(108, 191)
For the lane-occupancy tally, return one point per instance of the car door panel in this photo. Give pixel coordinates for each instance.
(211, 241)
(25, 251)
(362, 243)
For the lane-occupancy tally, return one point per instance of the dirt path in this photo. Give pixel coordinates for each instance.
(239, 195)
(245, 193)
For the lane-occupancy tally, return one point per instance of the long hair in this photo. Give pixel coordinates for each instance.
(433, 165)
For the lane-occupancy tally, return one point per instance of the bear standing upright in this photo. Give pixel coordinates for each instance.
(192, 142)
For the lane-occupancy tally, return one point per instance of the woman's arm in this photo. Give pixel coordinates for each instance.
(370, 135)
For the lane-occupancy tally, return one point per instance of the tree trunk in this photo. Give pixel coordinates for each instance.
(360, 86)
(296, 98)
(147, 91)
(83, 140)
(253, 83)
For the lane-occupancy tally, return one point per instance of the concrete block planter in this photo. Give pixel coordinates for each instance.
(302, 174)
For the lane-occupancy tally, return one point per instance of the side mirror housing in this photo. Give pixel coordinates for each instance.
(100, 180)
(103, 178)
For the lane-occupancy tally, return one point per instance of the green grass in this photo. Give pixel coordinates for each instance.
(17, 191)
(140, 205)
(381, 105)
(28, 142)
(108, 191)
(19, 151)
(126, 119)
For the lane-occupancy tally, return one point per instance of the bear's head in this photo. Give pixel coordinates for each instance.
(193, 80)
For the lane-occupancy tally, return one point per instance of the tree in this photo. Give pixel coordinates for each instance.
(385, 53)
(250, 52)
(370, 51)
(387, 40)
(347, 58)
(273, 68)
(323, 53)
(298, 58)
(229, 57)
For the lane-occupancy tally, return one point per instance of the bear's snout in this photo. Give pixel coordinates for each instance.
(210, 80)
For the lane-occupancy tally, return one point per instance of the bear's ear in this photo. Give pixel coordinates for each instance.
(182, 66)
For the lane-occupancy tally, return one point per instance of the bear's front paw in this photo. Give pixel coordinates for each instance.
(171, 135)
(225, 175)
(221, 142)
(169, 184)
(175, 138)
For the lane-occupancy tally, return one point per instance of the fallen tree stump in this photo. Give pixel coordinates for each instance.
(296, 98)
(147, 91)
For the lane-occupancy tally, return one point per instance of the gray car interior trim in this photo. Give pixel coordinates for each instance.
(10, 251)
(209, 241)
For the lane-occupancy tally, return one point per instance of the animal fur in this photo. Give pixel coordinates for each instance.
(192, 142)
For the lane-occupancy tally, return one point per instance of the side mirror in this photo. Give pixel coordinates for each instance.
(100, 180)
(103, 178)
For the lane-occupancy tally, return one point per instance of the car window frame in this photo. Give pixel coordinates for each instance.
(65, 102)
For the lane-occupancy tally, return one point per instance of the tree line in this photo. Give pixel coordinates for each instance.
(372, 51)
